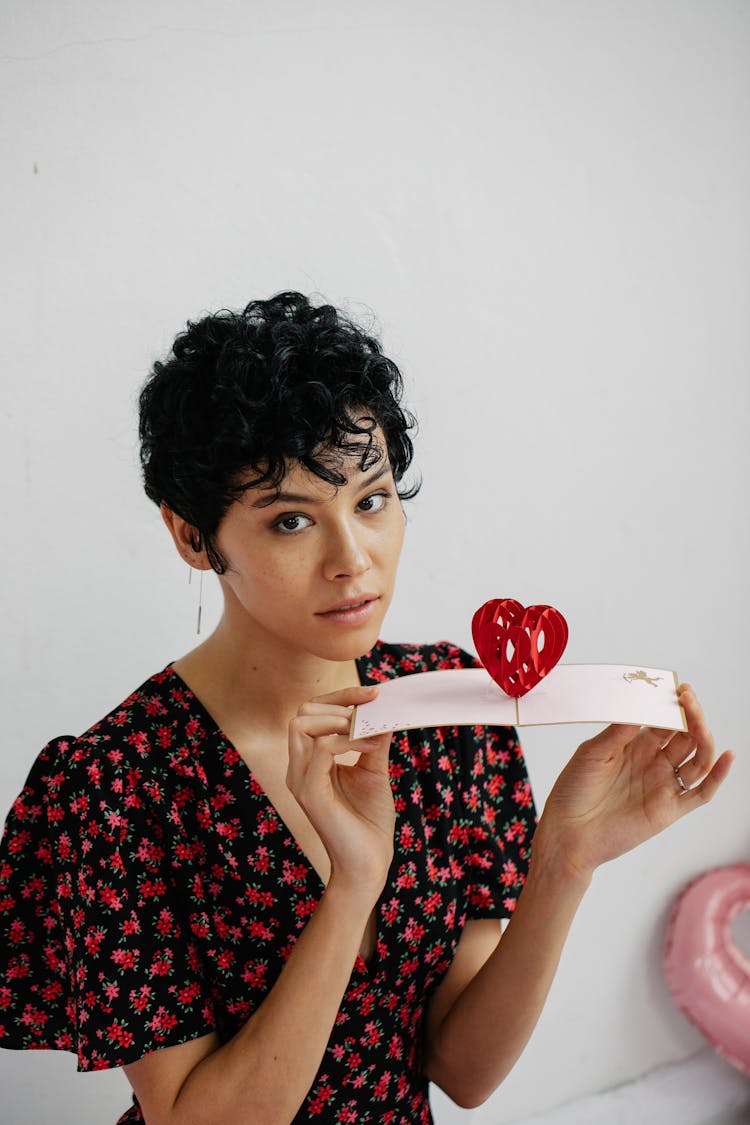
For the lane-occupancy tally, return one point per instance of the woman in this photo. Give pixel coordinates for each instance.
(211, 887)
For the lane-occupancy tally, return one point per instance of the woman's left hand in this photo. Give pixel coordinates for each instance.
(622, 787)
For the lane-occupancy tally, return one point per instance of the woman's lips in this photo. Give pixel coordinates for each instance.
(355, 614)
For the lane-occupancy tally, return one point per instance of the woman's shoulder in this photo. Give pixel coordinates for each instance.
(131, 739)
(161, 699)
(388, 660)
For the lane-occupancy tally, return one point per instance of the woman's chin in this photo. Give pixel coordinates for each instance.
(351, 643)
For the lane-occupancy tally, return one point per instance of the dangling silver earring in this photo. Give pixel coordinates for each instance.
(200, 595)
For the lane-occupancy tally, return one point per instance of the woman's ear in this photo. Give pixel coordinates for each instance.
(187, 539)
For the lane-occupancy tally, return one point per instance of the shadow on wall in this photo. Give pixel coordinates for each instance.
(702, 1090)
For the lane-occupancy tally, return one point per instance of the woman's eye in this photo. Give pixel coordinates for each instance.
(287, 525)
(374, 503)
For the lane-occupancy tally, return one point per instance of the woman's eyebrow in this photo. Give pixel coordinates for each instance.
(300, 498)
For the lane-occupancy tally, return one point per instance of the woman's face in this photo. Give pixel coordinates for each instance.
(315, 568)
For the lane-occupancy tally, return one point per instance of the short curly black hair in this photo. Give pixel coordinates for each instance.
(280, 381)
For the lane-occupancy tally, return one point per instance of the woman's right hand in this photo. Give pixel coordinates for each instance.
(350, 806)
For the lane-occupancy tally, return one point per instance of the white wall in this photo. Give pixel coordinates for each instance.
(546, 206)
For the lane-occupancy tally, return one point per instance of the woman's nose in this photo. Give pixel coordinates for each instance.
(347, 554)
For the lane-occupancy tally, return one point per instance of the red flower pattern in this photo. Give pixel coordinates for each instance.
(149, 892)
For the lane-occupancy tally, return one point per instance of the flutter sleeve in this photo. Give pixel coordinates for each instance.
(34, 989)
(96, 956)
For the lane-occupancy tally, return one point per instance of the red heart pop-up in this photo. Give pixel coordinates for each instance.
(517, 644)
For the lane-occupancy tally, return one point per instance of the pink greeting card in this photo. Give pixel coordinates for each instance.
(569, 693)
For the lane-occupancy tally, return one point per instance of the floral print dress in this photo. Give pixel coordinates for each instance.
(150, 893)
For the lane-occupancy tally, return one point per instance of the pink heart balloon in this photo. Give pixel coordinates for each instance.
(707, 974)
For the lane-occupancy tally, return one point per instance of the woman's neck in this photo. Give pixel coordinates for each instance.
(251, 688)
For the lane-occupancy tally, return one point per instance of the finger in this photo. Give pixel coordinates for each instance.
(695, 765)
(618, 738)
(679, 748)
(319, 725)
(697, 726)
(691, 771)
(374, 751)
(349, 697)
(688, 700)
(332, 729)
(320, 767)
(311, 759)
(655, 738)
(320, 760)
(315, 708)
(310, 732)
(704, 792)
(613, 739)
